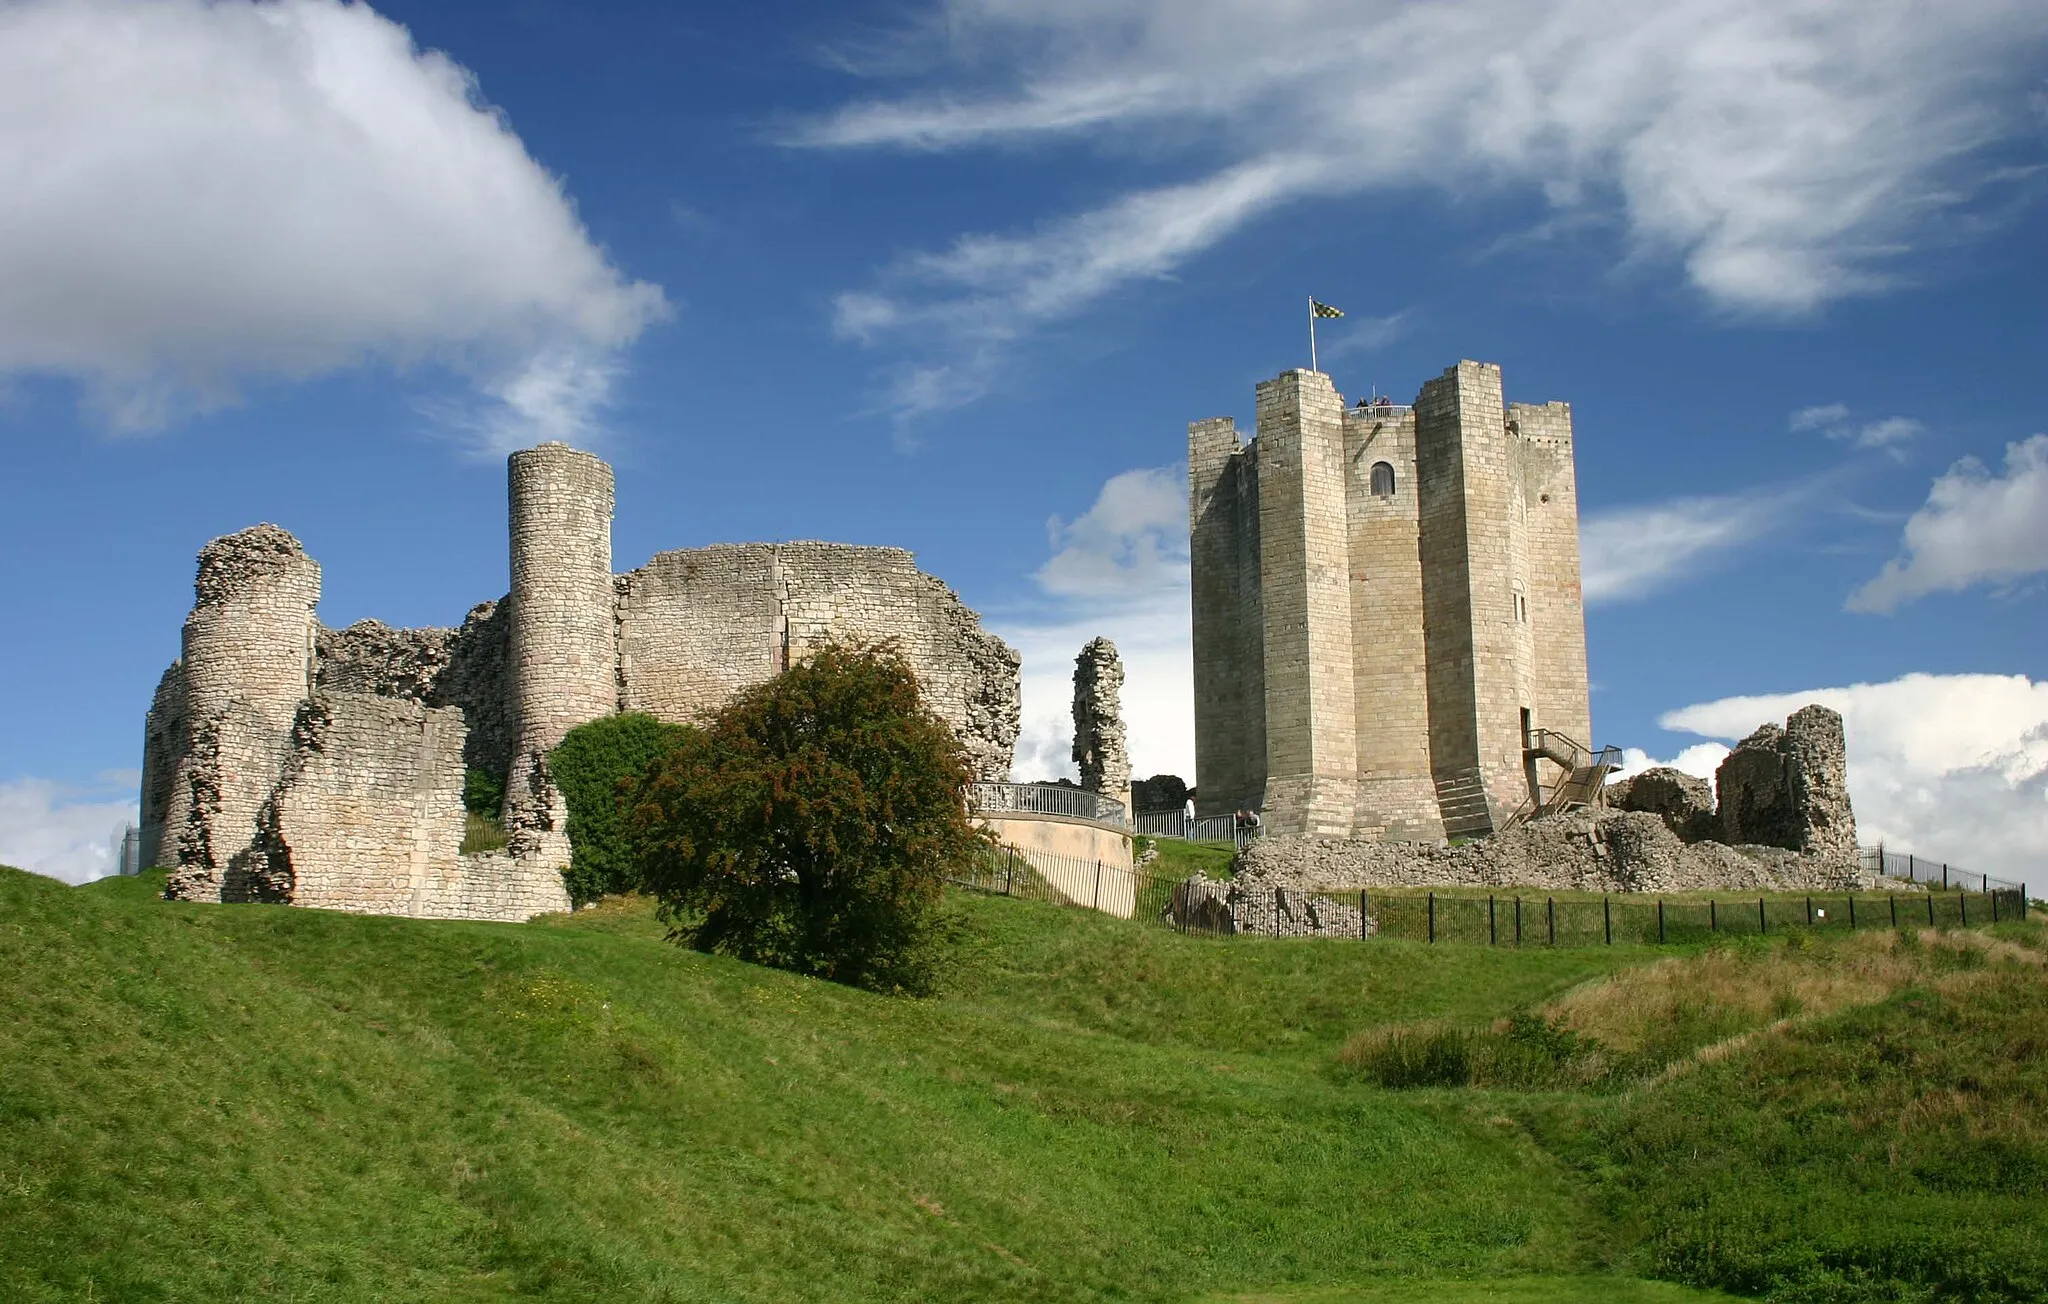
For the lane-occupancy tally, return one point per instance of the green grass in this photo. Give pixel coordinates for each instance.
(242, 1103)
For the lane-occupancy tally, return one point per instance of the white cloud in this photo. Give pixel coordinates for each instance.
(1120, 571)
(64, 832)
(1832, 421)
(1632, 552)
(1699, 760)
(1975, 528)
(1784, 153)
(1953, 767)
(203, 195)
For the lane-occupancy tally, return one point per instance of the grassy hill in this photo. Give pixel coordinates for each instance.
(230, 1103)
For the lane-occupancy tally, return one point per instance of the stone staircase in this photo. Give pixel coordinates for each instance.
(1461, 797)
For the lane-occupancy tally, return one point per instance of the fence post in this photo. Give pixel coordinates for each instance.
(1607, 918)
(1492, 934)
(1763, 923)
(1660, 921)
(1364, 916)
(1432, 917)
(1550, 909)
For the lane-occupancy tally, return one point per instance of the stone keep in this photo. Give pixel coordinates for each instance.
(1099, 747)
(1386, 601)
(286, 762)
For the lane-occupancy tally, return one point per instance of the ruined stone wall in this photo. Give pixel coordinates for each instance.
(1557, 613)
(248, 653)
(1228, 618)
(166, 741)
(698, 625)
(562, 649)
(1788, 787)
(1304, 585)
(463, 668)
(369, 819)
(1396, 797)
(1099, 749)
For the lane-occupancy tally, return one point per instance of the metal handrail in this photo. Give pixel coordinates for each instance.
(1046, 799)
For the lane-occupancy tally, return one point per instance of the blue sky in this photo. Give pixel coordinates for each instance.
(955, 278)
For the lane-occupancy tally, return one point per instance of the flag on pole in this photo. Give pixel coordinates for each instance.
(1324, 309)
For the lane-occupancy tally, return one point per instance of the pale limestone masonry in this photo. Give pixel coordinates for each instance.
(698, 625)
(285, 762)
(1099, 748)
(1789, 787)
(247, 664)
(1386, 601)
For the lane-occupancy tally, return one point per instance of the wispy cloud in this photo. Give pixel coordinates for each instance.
(1781, 153)
(317, 193)
(1975, 528)
(1831, 421)
(1633, 552)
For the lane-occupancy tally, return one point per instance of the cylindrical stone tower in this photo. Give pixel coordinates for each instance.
(563, 652)
(248, 664)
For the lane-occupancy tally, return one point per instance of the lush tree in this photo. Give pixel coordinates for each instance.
(597, 766)
(814, 826)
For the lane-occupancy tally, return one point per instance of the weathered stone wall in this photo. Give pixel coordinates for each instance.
(369, 819)
(1684, 802)
(1396, 798)
(1229, 625)
(1587, 851)
(248, 654)
(463, 668)
(1099, 749)
(1788, 787)
(1304, 586)
(696, 626)
(166, 742)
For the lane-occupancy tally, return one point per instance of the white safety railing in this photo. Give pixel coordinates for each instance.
(1045, 799)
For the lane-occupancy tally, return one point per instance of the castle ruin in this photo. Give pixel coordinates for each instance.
(283, 761)
(1389, 636)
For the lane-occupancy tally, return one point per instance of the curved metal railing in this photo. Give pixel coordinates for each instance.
(1045, 799)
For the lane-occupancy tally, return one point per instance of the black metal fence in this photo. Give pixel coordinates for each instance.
(1221, 908)
(1528, 920)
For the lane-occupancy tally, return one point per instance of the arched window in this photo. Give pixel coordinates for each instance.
(1383, 479)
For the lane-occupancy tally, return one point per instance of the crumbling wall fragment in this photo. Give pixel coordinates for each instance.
(1099, 743)
(1788, 787)
(1685, 802)
(247, 664)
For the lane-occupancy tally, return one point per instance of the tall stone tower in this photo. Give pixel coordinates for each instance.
(246, 665)
(1386, 604)
(562, 653)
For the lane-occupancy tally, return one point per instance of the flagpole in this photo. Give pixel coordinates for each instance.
(1312, 334)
